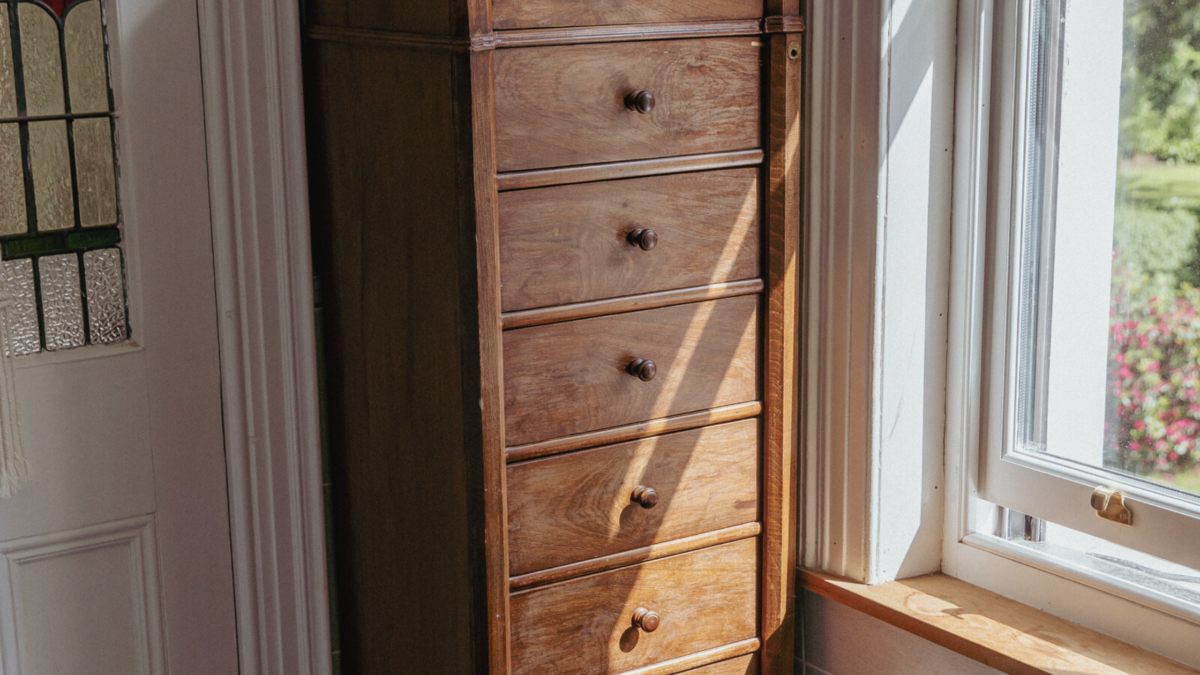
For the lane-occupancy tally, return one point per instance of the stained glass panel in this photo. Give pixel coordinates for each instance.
(62, 301)
(41, 60)
(50, 162)
(13, 219)
(23, 320)
(97, 183)
(60, 230)
(87, 72)
(105, 281)
(8, 79)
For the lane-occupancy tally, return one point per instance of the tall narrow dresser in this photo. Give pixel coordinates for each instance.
(558, 244)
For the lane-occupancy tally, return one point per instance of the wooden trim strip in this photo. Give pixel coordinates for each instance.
(561, 36)
(386, 38)
(635, 556)
(783, 24)
(993, 630)
(663, 425)
(633, 303)
(521, 180)
(685, 663)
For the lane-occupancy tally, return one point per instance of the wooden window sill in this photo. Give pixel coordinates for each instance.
(993, 630)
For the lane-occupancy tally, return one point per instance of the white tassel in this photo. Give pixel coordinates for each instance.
(13, 467)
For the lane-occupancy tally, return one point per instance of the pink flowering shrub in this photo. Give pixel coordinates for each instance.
(1153, 420)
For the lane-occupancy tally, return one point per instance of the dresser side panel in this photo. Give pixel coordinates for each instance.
(388, 246)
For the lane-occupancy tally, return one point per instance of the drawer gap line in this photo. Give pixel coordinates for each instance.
(590, 173)
(633, 303)
(705, 658)
(635, 556)
(631, 432)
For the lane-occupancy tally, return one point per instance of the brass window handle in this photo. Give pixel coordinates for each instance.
(1110, 505)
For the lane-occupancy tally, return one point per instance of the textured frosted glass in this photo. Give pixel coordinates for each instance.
(51, 162)
(62, 303)
(87, 73)
(12, 182)
(8, 86)
(23, 326)
(41, 60)
(94, 171)
(105, 282)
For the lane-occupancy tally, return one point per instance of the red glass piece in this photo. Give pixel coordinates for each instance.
(57, 5)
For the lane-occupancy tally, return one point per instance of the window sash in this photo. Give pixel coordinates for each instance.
(1040, 485)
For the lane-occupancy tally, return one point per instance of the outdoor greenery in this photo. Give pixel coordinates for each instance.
(1154, 378)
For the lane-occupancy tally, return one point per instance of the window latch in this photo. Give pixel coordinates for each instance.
(1110, 505)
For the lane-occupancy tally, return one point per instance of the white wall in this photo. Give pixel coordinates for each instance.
(837, 640)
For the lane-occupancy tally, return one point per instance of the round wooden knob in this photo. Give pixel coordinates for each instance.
(642, 369)
(646, 620)
(644, 496)
(640, 101)
(643, 239)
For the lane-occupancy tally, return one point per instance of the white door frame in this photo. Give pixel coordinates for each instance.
(253, 100)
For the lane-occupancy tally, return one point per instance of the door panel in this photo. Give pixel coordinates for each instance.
(117, 549)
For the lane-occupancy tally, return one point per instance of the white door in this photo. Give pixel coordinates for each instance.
(116, 550)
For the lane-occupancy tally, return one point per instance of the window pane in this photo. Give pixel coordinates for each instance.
(105, 295)
(1109, 252)
(23, 320)
(13, 219)
(87, 72)
(8, 91)
(94, 171)
(62, 303)
(50, 159)
(41, 60)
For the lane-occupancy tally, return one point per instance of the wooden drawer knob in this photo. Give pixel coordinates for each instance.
(642, 369)
(646, 620)
(640, 101)
(646, 497)
(644, 239)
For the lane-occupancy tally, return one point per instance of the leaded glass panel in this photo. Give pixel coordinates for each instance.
(59, 211)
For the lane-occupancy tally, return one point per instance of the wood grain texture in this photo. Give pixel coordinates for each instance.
(522, 180)
(569, 244)
(413, 16)
(510, 14)
(569, 378)
(669, 31)
(1000, 633)
(781, 374)
(480, 172)
(404, 393)
(577, 506)
(562, 106)
(740, 655)
(706, 599)
(729, 413)
(636, 555)
(632, 303)
(743, 665)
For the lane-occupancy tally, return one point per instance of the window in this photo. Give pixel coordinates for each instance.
(59, 214)
(1091, 341)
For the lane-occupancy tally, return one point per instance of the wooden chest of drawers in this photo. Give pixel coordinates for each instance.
(558, 242)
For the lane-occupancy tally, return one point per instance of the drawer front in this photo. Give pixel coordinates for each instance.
(566, 105)
(508, 14)
(568, 378)
(703, 599)
(581, 505)
(743, 665)
(575, 243)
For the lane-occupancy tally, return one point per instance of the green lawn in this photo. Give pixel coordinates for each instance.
(1162, 183)
(1185, 480)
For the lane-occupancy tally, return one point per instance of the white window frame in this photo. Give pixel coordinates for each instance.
(894, 260)
(1043, 485)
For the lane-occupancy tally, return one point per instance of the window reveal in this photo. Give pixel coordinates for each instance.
(59, 216)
